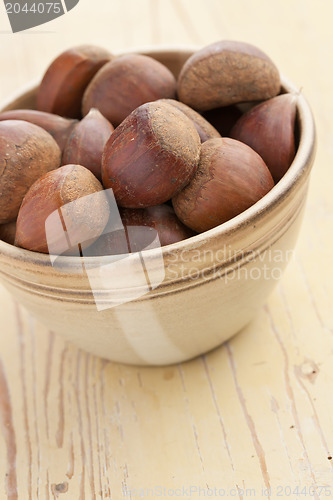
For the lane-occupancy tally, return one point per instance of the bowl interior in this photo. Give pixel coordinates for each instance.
(231, 231)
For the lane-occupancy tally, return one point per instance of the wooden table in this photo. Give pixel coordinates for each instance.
(252, 418)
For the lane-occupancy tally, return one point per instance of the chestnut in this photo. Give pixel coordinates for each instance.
(26, 153)
(227, 72)
(151, 156)
(65, 80)
(58, 126)
(269, 129)
(86, 143)
(230, 178)
(125, 83)
(63, 211)
(141, 226)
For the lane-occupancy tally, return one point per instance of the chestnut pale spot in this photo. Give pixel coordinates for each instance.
(204, 128)
(225, 73)
(58, 126)
(26, 153)
(85, 220)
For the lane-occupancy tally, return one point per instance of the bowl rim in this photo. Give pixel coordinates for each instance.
(299, 169)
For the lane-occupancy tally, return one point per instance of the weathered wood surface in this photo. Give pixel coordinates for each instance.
(252, 418)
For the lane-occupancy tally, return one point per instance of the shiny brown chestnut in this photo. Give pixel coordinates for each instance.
(65, 80)
(126, 83)
(62, 212)
(269, 129)
(229, 179)
(86, 143)
(151, 156)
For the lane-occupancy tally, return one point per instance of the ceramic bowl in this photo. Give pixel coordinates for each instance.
(168, 305)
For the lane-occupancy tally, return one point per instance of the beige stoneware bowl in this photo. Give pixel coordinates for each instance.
(168, 305)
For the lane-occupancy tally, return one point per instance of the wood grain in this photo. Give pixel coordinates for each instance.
(252, 418)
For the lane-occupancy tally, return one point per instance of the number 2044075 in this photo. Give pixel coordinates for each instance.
(35, 8)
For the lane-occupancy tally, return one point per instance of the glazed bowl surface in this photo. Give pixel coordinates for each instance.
(167, 305)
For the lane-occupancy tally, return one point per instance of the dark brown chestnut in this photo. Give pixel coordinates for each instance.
(64, 82)
(230, 178)
(86, 143)
(151, 156)
(269, 129)
(141, 227)
(125, 83)
(62, 210)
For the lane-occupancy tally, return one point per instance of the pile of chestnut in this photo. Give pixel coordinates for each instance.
(180, 155)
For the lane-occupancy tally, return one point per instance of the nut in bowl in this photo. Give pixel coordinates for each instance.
(171, 299)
